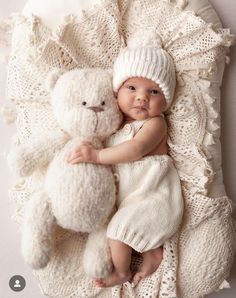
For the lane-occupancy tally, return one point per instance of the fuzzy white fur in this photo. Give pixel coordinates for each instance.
(77, 197)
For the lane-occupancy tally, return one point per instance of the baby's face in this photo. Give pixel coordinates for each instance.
(140, 98)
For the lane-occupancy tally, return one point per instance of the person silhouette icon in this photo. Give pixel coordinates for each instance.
(17, 284)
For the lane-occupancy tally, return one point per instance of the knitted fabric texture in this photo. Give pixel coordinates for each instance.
(82, 113)
(146, 59)
(150, 203)
(94, 39)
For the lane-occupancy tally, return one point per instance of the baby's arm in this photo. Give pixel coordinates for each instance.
(146, 140)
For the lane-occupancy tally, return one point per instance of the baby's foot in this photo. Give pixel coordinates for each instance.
(151, 261)
(115, 278)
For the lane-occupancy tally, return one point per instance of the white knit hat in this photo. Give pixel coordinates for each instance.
(146, 58)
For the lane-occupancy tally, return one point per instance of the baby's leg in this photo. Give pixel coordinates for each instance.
(151, 261)
(121, 258)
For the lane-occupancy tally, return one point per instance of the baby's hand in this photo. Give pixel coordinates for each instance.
(84, 153)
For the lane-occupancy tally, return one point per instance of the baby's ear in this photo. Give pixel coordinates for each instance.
(52, 78)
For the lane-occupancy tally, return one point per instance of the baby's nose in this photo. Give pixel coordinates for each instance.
(142, 97)
(96, 109)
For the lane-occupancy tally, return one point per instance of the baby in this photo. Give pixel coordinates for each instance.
(150, 203)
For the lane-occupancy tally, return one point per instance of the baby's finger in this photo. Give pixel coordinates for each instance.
(87, 143)
(77, 160)
(75, 152)
(74, 156)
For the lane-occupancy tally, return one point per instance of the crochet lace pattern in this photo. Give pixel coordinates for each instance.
(198, 258)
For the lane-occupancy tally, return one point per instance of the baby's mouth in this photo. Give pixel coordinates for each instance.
(140, 108)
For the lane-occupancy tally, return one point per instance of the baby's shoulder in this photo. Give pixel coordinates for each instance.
(157, 122)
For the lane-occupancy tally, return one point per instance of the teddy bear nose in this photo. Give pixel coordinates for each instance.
(96, 109)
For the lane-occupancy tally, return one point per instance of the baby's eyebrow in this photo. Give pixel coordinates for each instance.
(155, 87)
(130, 82)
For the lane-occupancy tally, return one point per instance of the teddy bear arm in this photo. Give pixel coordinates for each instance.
(37, 153)
(47, 147)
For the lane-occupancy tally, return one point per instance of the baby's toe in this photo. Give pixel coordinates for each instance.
(100, 282)
(136, 279)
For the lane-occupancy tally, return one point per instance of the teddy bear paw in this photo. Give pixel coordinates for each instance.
(19, 162)
(36, 249)
(97, 265)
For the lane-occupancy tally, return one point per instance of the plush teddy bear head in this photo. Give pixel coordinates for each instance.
(83, 102)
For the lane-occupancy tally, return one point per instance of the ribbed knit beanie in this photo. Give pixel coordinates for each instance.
(146, 58)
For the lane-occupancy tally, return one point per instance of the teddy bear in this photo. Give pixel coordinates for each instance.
(78, 197)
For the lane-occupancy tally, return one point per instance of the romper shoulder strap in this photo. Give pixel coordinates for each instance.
(137, 125)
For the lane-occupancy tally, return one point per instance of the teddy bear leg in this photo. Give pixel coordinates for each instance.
(37, 231)
(97, 261)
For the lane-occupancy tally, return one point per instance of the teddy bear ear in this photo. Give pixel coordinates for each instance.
(52, 78)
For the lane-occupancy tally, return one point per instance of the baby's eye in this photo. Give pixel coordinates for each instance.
(103, 103)
(130, 87)
(154, 92)
(84, 103)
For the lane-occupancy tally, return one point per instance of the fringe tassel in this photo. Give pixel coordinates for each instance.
(224, 285)
(9, 114)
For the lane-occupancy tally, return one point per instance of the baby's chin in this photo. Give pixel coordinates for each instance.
(140, 117)
(144, 115)
(139, 114)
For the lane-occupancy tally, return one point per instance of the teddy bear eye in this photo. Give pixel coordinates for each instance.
(103, 103)
(84, 103)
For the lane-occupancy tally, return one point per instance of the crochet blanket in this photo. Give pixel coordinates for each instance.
(197, 259)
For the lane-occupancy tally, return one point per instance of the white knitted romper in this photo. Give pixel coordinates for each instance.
(150, 203)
